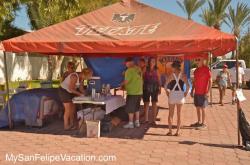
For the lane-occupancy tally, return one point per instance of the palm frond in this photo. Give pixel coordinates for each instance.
(238, 18)
(190, 6)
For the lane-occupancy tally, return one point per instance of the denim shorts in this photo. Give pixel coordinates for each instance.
(200, 101)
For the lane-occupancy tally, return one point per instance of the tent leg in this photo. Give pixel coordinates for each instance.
(210, 66)
(237, 87)
(8, 92)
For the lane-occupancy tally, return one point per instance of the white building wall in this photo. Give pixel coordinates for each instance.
(23, 67)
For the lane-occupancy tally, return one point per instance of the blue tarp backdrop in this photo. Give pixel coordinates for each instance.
(110, 69)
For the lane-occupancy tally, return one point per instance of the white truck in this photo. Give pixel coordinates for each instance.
(218, 65)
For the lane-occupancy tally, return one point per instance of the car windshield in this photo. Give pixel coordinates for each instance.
(230, 64)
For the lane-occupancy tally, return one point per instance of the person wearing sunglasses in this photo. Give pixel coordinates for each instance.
(201, 86)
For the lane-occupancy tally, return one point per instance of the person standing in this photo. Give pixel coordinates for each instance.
(70, 69)
(234, 80)
(142, 65)
(223, 79)
(69, 88)
(151, 89)
(161, 64)
(201, 86)
(133, 85)
(176, 95)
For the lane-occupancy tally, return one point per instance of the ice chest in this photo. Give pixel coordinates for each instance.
(95, 82)
(93, 128)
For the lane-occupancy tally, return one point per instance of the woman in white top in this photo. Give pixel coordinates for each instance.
(70, 87)
(176, 95)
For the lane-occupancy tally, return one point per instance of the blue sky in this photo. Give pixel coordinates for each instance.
(171, 6)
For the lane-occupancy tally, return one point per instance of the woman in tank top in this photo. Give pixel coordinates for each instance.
(176, 95)
(71, 86)
(70, 69)
(151, 88)
(223, 79)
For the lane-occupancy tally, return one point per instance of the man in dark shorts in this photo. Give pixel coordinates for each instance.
(133, 85)
(201, 87)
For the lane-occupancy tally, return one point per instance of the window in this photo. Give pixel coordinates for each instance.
(230, 64)
(219, 65)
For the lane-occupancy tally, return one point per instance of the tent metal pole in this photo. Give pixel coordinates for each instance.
(237, 87)
(8, 91)
(210, 66)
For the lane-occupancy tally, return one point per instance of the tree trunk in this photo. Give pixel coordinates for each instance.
(54, 67)
(57, 68)
(50, 68)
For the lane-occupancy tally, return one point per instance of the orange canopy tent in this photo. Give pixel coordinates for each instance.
(124, 29)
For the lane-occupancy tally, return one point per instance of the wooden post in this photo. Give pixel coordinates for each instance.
(8, 91)
(210, 56)
(237, 87)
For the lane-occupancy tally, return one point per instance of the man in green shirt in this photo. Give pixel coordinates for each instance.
(133, 84)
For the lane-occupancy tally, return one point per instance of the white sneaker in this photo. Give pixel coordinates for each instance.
(137, 124)
(129, 126)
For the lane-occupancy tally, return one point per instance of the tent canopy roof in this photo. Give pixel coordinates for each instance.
(124, 29)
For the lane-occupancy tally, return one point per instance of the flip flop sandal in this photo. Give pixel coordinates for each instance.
(73, 128)
(169, 134)
(153, 123)
(177, 134)
(145, 122)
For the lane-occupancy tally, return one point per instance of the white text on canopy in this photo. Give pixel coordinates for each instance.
(95, 30)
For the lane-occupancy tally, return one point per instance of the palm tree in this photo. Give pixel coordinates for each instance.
(245, 47)
(218, 8)
(239, 18)
(190, 6)
(207, 17)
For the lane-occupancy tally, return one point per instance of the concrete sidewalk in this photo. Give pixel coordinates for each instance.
(217, 144)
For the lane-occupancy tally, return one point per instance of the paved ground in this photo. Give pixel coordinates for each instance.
(146, 145)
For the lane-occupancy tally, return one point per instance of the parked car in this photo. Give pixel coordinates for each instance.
(218, 65)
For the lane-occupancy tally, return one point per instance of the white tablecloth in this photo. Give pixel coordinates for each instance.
(111, 103)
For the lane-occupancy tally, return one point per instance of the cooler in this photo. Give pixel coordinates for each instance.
(95, 82)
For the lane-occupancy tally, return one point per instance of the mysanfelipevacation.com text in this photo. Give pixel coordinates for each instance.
(14, 158)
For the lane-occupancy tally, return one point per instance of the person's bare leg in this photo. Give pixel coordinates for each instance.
(221, 94)
(71, 112)
(131, 117)
(203, 115)
(73, 116)
(137, 116)
(233, 95)
(66, 116)
(154, 111)
(170, 117)
(178, 118)
(198, 110)
(146, 109)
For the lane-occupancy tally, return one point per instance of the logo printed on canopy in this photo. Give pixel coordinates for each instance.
(123, 18)
(97, 30)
